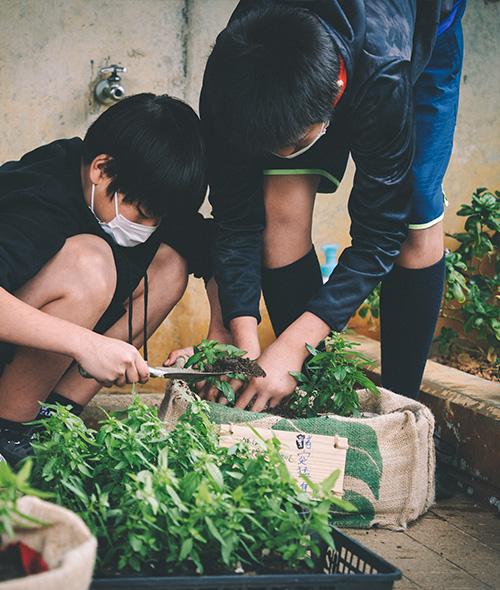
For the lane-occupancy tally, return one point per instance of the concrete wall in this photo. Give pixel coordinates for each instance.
(51, 53)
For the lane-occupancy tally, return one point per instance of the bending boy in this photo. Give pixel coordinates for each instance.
(291, 89)
(97, 238)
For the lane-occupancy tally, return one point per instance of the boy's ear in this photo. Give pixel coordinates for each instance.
(98, 167)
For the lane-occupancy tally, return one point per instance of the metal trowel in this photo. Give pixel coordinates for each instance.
(186, 374)
(171, 373)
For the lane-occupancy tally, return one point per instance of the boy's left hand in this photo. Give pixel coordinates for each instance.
(175, 354)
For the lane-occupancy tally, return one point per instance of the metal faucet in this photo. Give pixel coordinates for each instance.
(110, 89)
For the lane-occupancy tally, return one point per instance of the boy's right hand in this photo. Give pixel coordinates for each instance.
(112, 362)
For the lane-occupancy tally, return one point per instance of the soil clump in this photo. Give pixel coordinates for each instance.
(236, 365)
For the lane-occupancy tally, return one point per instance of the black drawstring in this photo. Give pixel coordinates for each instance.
(130, 310)
(145, 345)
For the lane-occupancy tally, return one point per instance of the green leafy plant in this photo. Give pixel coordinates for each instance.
(330, 378)
(208, 352)
(472, 287)
(179, 501)
(12, 487)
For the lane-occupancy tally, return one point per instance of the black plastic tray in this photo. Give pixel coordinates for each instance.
(351, 566)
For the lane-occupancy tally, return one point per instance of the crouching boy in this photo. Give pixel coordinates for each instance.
(97, 238)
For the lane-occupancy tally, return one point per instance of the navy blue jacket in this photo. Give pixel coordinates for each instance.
(385, 45)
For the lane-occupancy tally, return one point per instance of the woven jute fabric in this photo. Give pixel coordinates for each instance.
(390, 463)
(66, 544)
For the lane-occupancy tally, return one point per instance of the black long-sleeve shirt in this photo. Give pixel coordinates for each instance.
(42, 204)
(385, 45)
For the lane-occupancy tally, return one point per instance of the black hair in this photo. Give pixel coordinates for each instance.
(272, 74)
(156, 150)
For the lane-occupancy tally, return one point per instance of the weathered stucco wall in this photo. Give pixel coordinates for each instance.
(51, 53)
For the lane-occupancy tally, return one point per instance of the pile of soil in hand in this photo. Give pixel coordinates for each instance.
(236, 365)
(469, 363)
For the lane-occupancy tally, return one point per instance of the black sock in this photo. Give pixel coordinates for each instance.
(288, 289)
(57, 398)
(410, 300)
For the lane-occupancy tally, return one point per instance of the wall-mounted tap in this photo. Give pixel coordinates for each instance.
(110, 89)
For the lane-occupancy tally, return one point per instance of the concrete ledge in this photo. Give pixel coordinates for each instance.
(467, 413)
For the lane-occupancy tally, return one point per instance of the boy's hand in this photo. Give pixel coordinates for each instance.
(244, 336)
(175, 354)
(278, 384)
(286, 354)
(187, 352)
(276, 361)
(112, 362)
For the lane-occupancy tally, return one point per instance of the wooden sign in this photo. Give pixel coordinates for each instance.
(314, 455)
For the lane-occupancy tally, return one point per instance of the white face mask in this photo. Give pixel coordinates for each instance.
(324, 127)
(123, 231)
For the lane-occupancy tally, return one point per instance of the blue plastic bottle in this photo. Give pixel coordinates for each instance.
(331, 253)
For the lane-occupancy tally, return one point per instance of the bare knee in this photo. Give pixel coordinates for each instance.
(93, 269)
(422, 248)
(83, 272)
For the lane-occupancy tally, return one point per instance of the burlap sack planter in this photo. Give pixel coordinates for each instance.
(390, 463)
(66, 544)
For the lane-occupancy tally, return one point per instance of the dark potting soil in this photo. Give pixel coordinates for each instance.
(283, 411)
(236, 365)
(272, 565)
(471, 363)
(11, 565)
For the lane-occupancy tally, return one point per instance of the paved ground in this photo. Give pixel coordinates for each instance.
(455, 546)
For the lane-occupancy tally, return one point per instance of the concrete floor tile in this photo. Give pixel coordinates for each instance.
(454, 546)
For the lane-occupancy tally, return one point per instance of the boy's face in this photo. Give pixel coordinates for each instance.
(104, 205)
(310, 137)
(105, 209)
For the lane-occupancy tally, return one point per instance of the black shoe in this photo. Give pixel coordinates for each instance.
(15, 445)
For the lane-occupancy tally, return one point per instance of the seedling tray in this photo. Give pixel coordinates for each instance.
(350, 567)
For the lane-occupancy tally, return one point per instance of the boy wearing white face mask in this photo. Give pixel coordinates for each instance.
(97, 238)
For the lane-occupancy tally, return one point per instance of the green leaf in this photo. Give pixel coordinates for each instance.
(312, 350)
(298, 376)
(226, 388)
(186, 548)
(214, 531)
(216, 475)
(328, 484)
(194, 359)
(135, 543)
